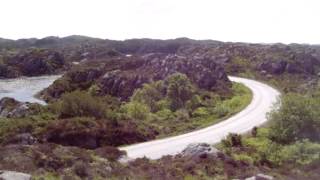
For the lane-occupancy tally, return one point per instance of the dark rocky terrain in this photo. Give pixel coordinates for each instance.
(122, 76)
(51, 55)
(10, 108)
(31, 62)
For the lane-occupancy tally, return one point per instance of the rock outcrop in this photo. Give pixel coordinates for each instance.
(121, 77)
(22, 139)
(79, 79)
(199, 150)
(33, 62)
(122, 82)
(10, 108)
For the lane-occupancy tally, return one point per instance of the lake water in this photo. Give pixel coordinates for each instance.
(25, 88)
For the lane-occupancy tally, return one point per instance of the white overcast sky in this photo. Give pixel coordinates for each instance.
(265, 21)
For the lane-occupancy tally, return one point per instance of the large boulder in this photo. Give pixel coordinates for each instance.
(10, 108)
(199, 150)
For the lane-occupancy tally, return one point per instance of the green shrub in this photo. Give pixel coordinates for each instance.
(136, 110)
(233, 103)
(150, 94)
(94, 90)
(239, 89)
(200, 112)
(163, 104)
(297, 118)
(182, 115)
(301, 153)
(33, 124)
(243, 157)
(180, 90)
(221, 110)
(80, 104)
(232, 140)
(194, 102)
(165, 114)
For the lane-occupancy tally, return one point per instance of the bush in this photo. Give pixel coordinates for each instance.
(94, 90)
(243, 157)
(163, 104)
(297, 118)
(150, 94)
(194, 102)
(136, 110)
(182, 115)
(221, 110)
(80, 104)
(301, 153)
(165, 114)
(232, 140)
(200, 112)
(180, 90)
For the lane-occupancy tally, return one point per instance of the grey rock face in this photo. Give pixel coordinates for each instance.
(12, 175)
(22, 139)
(273, 67)
(153, 67)
(10, 108)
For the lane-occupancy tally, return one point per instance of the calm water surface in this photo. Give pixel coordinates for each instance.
(25, 88)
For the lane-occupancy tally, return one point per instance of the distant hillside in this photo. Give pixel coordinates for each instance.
(297, 62)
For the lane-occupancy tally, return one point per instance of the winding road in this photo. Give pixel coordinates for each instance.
(264, 96)
(254, 114)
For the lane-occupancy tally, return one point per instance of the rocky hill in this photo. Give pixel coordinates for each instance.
(122, 76)
(31, 62)
(266, 59)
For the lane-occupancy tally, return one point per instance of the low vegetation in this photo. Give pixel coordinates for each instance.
(175, 105)
(84, 124)
(291, 141)
(162, 108)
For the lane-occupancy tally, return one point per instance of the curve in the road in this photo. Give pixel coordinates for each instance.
(253, 115)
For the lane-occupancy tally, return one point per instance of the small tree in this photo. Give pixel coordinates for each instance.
(297, 118)
(77, 104)
(150, 94)
(180, 90)
(137, 110)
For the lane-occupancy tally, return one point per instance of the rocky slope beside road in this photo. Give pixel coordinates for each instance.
(122, 76)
